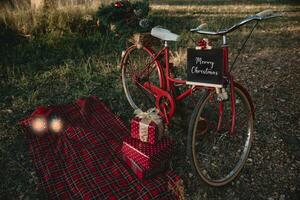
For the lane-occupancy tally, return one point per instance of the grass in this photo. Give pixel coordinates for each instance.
(64, 56)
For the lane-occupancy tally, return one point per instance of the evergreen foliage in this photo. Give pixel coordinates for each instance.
(123, 17)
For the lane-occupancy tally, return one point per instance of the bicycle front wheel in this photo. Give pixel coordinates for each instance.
(217, 155)
(136, 70)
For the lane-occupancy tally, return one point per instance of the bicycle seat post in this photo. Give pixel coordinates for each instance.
(166, 43)
(224, 40)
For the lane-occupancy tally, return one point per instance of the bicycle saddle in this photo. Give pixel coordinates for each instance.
(164, 34)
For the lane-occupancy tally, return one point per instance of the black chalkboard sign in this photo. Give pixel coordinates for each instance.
(205, 67)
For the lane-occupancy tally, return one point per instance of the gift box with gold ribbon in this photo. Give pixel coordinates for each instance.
(146, 155)
(147, 126)
(143, 173)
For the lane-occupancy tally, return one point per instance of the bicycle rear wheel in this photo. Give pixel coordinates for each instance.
(135, 72)
(218, 156)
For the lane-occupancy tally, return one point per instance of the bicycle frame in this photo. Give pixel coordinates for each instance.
(168, 87)
(165, 99)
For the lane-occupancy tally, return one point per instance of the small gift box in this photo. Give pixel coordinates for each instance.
(147, 155)
(147, 126)
(143, 173)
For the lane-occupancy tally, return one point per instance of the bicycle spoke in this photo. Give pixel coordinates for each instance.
(137, 71)
(219, 154)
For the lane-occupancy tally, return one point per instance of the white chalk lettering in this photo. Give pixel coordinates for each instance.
(200, 61)
(207, 71)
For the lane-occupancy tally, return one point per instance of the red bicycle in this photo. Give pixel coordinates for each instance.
(221, 125)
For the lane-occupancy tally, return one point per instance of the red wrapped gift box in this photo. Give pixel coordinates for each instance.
(147, 155)
(143, 173)
(146, 129)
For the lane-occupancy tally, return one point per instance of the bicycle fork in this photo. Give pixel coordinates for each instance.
(222, 95)
(232, 101)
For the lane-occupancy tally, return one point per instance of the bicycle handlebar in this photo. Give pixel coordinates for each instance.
(266, 14)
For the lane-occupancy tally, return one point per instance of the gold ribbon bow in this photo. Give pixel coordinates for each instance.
(146, 118)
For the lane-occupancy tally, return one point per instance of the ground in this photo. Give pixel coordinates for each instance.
(52, 71)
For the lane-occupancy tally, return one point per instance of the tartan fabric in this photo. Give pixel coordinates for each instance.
(145, 154)
(84, 161)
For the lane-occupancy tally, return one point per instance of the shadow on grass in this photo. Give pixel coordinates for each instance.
(48, 51)
(17, 176)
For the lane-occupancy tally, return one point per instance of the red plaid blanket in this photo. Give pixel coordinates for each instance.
(84, 160)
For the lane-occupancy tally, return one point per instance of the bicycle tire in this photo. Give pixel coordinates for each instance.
(138, 101)
(201, 165)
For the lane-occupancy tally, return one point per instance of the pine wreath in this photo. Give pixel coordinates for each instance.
(123, 16)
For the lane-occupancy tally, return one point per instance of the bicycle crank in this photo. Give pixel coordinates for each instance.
(164, 101)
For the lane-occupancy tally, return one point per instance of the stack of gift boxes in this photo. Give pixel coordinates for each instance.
(147, 150)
